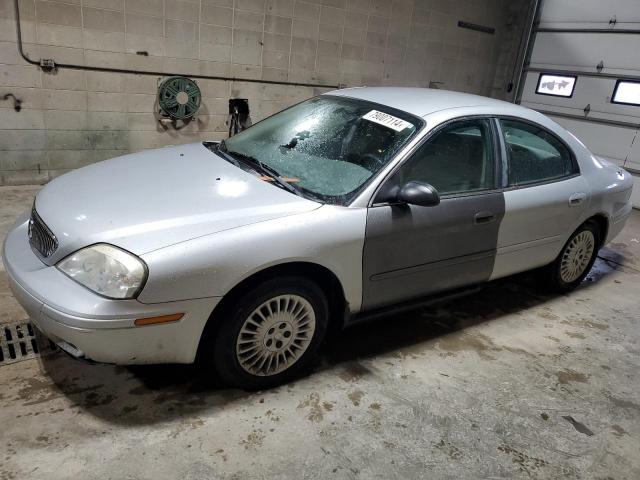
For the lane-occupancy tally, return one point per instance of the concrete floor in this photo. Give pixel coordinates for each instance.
(508, 383)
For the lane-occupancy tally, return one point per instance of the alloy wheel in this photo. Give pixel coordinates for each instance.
(577, 256)
(275, 335)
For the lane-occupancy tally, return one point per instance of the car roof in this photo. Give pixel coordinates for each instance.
(423, 101)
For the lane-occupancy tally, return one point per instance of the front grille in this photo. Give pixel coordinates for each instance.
(42, 239)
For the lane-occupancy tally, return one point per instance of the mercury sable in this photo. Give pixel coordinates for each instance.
(244, 253)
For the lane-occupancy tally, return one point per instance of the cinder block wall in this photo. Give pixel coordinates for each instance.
(72, 117)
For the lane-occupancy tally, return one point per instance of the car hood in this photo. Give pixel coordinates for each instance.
(152, 199)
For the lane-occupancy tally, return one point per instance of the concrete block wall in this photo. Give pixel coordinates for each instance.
(71, 118)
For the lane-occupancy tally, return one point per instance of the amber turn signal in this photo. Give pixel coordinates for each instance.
(139, 322)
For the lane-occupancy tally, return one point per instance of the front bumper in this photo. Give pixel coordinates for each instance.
(89, 326)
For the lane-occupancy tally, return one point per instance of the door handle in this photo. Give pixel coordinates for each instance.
(484, 217)
(577, 198)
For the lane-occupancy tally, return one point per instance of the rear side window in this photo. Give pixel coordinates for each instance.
(534, 155)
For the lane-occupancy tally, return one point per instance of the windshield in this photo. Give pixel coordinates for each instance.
(327, 147)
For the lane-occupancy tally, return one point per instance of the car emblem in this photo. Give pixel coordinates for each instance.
(30, 229)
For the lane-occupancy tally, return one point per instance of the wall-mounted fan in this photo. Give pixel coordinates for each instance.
(179, 98)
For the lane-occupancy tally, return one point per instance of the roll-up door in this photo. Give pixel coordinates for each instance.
(580, 51)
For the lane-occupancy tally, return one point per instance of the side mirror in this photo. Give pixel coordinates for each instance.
(418, 193)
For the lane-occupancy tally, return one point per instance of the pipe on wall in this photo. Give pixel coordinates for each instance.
(43, 64)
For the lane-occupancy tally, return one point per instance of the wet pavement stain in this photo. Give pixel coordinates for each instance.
(460, 342)
(36, 391)
(518, 351)
(618, 431)
(571, 376)
(623, 250)
(197, 423)
(449, 449)
(353, 372)
(527, 464)
(271, 416)
(254, 440)
(626, 404)
(586, 324)
(356, 397)
(547, 315)
(93, 399)
(579, 426)
(575, 335)
(328, 406)
(312, 402)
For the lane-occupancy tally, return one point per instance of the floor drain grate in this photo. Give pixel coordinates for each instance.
(18, 341)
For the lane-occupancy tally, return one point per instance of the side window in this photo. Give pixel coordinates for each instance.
(534, 155)
(458, 159)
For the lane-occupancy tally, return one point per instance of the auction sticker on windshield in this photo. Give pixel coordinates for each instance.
(387, 120)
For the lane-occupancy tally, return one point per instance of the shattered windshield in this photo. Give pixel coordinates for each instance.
(327, 147)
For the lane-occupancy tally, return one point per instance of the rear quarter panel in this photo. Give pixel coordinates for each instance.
(608, 191)
(611, 188)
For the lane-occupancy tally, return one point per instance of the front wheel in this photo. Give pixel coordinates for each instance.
(271, 334)
(576, 258)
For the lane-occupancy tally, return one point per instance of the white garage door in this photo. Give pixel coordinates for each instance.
(584, 72)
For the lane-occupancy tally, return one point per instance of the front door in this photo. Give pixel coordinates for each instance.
(411, 251)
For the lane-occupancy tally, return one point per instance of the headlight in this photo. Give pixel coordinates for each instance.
(107, 270)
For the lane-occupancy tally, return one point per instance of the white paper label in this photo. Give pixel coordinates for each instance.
(387, 120)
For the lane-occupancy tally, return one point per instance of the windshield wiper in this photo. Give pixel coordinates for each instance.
(263, 168)
(221, 148)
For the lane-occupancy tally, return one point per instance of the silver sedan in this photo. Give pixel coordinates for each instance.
(243, 253)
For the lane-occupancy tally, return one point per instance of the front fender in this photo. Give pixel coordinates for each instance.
(211, 266)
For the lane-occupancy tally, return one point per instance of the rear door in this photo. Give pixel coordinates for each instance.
(544, 198)
(410, 250)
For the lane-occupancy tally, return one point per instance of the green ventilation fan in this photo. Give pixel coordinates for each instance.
(179, 98)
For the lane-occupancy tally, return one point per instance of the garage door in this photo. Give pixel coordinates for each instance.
(584, 72)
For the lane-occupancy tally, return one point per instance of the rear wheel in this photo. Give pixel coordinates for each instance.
(576, 258)
(271, 334)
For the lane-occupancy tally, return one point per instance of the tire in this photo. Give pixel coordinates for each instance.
(271, 334)
(575, 259)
